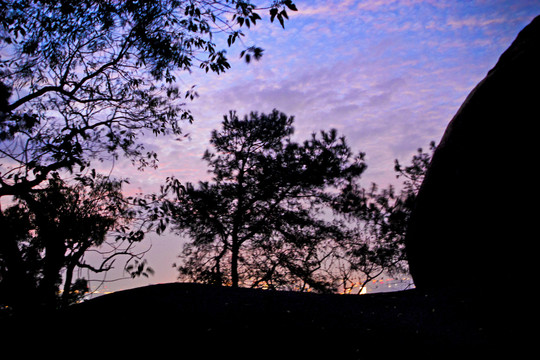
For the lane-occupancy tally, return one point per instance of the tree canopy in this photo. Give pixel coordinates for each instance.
(50, 234)
(377, 218)
(84, 80)
(260, 221)
(285, 215)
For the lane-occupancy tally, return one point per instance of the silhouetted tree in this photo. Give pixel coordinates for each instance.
(55, 229)
(261, 220)
(378, 220)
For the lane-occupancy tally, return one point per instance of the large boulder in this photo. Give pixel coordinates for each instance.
(474, 224)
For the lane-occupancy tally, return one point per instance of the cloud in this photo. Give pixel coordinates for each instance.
(325, 8)
(388, 80)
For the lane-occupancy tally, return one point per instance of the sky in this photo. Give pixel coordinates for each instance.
(389, 75)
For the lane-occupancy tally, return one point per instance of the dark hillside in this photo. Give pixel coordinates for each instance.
(223, 320)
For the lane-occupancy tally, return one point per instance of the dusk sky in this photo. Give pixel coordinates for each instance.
(389, 75)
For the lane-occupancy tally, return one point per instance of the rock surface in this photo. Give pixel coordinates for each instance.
(207, 322)
(223, 320)
(475, 220)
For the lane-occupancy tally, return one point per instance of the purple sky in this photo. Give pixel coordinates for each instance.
(389, 75)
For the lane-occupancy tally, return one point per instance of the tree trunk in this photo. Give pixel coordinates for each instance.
(234, 260)
(237, 221)
(20, 291)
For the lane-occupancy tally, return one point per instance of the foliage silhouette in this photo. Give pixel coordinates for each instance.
(55, 229)
(83, 82)
(260, 222)
(284, 215)
(378, 221)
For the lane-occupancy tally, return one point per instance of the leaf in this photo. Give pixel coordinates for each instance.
(291, 6)
(273, 13)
